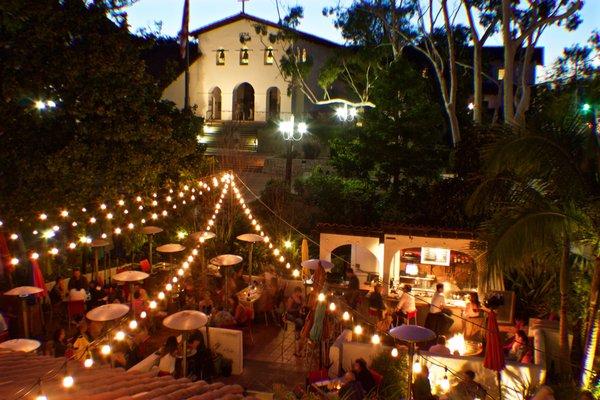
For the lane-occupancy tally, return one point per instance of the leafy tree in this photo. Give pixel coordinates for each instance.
(107, 131)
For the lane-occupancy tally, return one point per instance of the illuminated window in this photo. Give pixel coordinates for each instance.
(304, 55)
(269, 57)
(244, 56)
(221, 56)
(500, 73)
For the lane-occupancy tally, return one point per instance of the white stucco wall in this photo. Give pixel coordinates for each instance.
(366, 251)
(205, 74)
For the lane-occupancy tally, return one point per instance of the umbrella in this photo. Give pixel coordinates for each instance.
(304, 254)
(314, 264)
(494, 357)
(38, 279)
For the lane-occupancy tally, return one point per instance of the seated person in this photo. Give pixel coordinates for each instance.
(58, 293)
(376, 304)
(59, 342)
(364, 376)
(239, 312)
(166, 364)
(77, 279)
(81, 341)
(467, 388)
(138, 305)
(201, 361)
(77, 293)
(222, 318)
(97, 292)
(520, 350)
(273, 294)
(351, 388)
(239, 281)
(406, 304)
(206, 304)
(422, 387)
(440, 347)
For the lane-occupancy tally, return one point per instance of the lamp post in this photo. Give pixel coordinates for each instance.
(291, 132)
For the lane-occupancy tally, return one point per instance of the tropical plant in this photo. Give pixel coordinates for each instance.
(540, 185)
(394, 372)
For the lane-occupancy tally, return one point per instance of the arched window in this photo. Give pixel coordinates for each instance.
(243, 102)
(273, 103)
(214, 104)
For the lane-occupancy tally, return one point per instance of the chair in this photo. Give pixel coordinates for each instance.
(411, 316)
(75, 308)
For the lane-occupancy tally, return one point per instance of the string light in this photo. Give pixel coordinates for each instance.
(143, 314)
(358, 330)
(346, 316)
(35, 256)
(64, 213)
(72, 245)
(68, 381)
(417, 368)
(445, 383)
(332, 306)
(14, 236)
(14, 261)
(53, 251)
(133, 324)
(295, 273)
(161, 295)
(375, 339)
(168, 287)
(153, 304)
(43, 217)
(105, 349)
(321, 297)
(394, 352)
(88, 362)
(120, 335)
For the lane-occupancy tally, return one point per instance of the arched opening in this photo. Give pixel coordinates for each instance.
(360, 258)
(243, 102)
(214, 104)
(273, 102)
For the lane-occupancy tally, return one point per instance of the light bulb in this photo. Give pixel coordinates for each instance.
(295, 273)
(153, 305)
(41, 396)
(165, 213)
(118, 231)
(88, 362)
(180, 272)
(55, 228)
(168, 287)
(105, 349)
(161, 295)
(375, 339)
(133, 324)
(74, 223)
(174, 280)
(321, 297)
(346, 316)
(445, 384)
(92, 220)
(154, 216)
(358, 330)
(120, 335)
(43, 216)
(332, 306)
(143, 314)
(14, 236)
(287, 244)
(72, 245)
(109, 216)
(64, 213)
(287, 266)
(394, 352)
(68, 381)
(130, 225)
(35, 256)
(103, 236)
(121, 202)
(417, 368)
(185, 265)
(54, 251)
(103, 206)
(138, 199)
(14, 261)
(281, 259)
(276, 252)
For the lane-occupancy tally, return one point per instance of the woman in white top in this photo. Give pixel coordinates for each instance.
(406, 304)
(166, 365)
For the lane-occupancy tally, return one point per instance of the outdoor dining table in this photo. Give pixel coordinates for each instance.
(326, 388)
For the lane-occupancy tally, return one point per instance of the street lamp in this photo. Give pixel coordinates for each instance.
(291, 132)
(345, 113)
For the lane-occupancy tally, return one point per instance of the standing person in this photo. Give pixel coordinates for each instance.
(351, 389)
(472, 314)
(364, 376)
(201, 362)
(294, 311)
(406, 305)
(422, 387)
(77, 278)
(435, 318)
(166, 365)
(376, 304)
(353, 292)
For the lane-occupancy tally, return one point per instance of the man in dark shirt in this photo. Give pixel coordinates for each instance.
(353, 288)
(77, 278)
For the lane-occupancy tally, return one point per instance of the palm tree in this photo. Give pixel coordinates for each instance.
(539, 186)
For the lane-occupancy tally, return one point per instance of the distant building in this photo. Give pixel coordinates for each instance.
(236, 77)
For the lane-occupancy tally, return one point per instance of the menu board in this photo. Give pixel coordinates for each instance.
(435, 256)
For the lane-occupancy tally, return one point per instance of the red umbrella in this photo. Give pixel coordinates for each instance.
(38, 279)
(494, 356)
